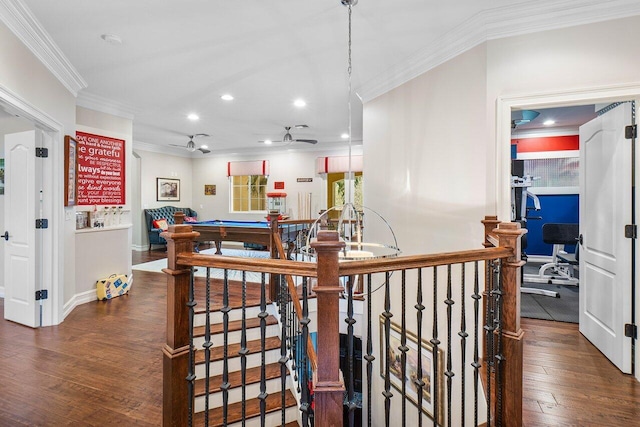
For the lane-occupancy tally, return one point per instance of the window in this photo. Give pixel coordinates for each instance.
(248, 193)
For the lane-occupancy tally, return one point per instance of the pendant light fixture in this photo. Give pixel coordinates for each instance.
(350, 225)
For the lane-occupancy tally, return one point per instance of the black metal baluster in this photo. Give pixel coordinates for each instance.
(350, 322)
(369, 357)
(449, 372)
(387, 343)
(284, 298)
(418, 381)
(243, 347)
(476, 326)
(263, 338)
(463, 342)
(224, 387)
(488, 327)
(207, 346)
(191, 376)
(305, 405)
(435, 342)
(499, 357)
(403, 344)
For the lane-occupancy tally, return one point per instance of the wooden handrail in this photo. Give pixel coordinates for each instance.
(329, 388)
(380, 265)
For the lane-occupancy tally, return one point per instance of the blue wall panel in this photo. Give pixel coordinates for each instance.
(561, 208)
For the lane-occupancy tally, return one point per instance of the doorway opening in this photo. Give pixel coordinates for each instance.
(18, 119)
(568, 100)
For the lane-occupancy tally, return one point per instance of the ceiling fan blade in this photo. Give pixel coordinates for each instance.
(204, 150)
(176, 145)
(309, 141)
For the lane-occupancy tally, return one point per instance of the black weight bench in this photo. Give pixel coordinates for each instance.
(560, 270)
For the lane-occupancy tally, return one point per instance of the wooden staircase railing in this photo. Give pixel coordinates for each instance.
(503, 378)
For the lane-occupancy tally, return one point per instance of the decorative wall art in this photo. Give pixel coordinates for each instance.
(167, 189)
(209, 190)
(394, 359)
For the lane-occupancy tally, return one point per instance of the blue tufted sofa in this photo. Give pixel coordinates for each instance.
(165, 212)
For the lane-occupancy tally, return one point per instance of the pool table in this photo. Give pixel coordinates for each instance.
(256, 232)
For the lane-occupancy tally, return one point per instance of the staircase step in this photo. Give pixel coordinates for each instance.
(235, 314)
(217, 353)
(235, 378)
(252, 409)
(234, 325)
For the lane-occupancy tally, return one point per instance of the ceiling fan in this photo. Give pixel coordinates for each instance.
(288, 139)
(191, 146)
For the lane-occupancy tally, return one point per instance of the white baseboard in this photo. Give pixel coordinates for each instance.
(1, 291)
(82, 298)
(140, 248)
(78, 299)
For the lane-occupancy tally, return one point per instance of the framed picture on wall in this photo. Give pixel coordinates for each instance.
(70, 170)
(432, 381)
(167, 189)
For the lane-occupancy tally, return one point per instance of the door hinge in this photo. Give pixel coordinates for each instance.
(42, 223)
(631, 231)
(42, 152)
(630, 330)
(631, 131)
(43, 294)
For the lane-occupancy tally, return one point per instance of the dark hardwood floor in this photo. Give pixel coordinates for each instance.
(102, 367)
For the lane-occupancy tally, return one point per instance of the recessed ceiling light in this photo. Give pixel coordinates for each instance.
(549, 122)
(227, 97)
(267, 142)
(299, 103)
(111, 38)
(204, 146)
(344, 136)
(193, 117)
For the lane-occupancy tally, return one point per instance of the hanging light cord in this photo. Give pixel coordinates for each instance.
(349, 195)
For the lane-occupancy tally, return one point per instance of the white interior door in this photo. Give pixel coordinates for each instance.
(605, 254)
(20, 244)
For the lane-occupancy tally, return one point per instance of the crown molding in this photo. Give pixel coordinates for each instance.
(161, 149)
(104, 105)
(520, 19)
(19, 19)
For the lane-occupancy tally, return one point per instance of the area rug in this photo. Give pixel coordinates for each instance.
(215, 273)
(562, 309)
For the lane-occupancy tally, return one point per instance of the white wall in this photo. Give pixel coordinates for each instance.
(114, 253)
(436, 186)
(425, 169)
(284, 167)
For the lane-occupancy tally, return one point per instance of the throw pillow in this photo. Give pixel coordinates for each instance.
(190, 219)
(161, 224)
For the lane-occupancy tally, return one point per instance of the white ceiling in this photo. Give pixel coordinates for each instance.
(179, 57)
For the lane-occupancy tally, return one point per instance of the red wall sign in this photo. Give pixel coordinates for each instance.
(101, 170)
(278, 185)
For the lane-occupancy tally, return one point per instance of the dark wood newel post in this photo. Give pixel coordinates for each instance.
(175, 352)
(329, 388)
(275, 228)
(509, 235)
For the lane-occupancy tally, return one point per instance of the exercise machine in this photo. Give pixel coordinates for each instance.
(560, 270)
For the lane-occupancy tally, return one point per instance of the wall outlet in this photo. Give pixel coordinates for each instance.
(68, 214)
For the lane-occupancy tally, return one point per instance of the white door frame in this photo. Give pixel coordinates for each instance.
(505, 104)
(52, 206)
